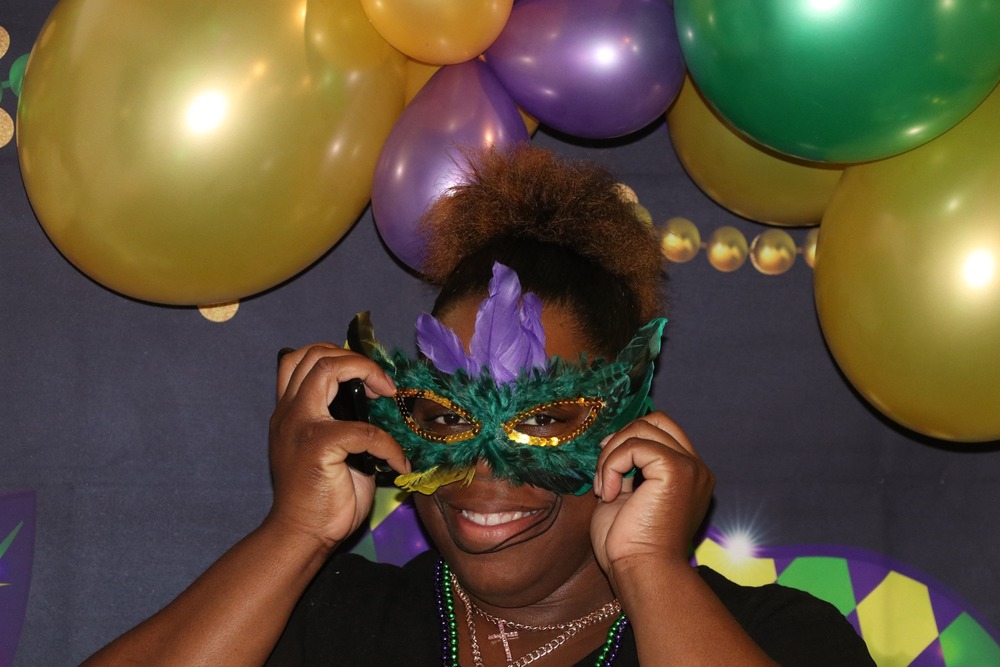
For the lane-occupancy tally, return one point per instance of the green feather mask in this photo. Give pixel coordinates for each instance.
(541, 423)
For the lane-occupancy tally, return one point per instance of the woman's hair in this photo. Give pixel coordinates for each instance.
(563, 226)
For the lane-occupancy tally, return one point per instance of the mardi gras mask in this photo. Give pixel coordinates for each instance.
(533, 420)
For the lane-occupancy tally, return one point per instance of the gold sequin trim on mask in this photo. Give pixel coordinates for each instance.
(511, 426)
(459, 432)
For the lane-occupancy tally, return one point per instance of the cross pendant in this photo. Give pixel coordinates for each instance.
(503, 636)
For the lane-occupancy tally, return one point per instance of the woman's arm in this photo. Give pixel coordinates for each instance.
(234, 613)
(642, 538)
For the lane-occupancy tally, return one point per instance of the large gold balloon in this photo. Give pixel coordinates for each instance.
(439, 32)
(186, 152)
(908, 281)
(743, 176)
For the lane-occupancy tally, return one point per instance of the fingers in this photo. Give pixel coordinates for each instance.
(308, 380)
(288, 363)
(654, 444)
(316, 371)
(360, 437)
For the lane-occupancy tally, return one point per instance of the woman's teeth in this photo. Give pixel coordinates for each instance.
(494, 518)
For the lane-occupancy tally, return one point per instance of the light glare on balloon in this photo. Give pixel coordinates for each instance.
(604, 55)
(979, 269)
(207, 111)
(825, 6)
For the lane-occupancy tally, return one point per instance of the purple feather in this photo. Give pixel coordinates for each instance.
(531, 324)
(494, 342)
(508, 337)
(441, 345)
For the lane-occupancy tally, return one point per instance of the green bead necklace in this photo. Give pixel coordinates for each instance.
(449, 625)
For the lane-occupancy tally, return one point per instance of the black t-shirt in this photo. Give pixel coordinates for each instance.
(358, 613)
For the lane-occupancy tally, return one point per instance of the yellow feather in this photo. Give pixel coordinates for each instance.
(428, 481)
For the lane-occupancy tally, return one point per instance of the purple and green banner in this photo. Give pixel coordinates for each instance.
(17, 545)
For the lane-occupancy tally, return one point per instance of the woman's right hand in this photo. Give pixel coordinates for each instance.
(316, 494)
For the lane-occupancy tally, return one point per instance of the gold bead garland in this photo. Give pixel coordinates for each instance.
(772, 252)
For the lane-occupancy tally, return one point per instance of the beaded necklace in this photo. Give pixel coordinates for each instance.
(449, 624)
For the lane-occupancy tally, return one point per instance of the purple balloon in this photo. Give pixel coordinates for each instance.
(590, 68)
(462, 106)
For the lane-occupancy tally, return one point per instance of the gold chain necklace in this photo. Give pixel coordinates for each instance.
(569, 629)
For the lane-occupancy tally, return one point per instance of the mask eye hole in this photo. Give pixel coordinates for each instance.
(553, 423)
(434, 417)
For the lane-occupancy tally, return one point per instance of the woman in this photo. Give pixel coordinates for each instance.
(520, 428)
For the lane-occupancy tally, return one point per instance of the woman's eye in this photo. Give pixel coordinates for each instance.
(448, 419)
(436, 418)
(541, 419)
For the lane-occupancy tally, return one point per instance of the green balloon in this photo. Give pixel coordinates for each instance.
(841, 80)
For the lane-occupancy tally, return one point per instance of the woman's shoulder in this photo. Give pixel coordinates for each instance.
(792, 626)
(360, 612)
(357, 583)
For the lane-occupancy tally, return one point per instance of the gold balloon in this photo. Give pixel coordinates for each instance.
(773, 252)
(680, 240)
(809, 247)
(417, 75)
(439, 32)
(186, 152)
(908, 281)
(727, 249)
(530, 122)
(745, 177)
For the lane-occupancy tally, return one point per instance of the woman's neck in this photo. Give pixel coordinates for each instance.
(539, 604)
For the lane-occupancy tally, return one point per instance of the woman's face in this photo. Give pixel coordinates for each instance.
(512, 545)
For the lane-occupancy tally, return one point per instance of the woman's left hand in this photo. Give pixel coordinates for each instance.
(658, 519)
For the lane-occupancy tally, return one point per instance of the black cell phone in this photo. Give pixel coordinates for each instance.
(351, 404)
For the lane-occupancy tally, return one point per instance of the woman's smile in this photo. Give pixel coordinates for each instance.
(494, 518)
(490, 515)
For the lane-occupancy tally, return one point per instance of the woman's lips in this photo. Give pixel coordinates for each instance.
(481, 529)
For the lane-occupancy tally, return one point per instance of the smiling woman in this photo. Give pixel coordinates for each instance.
(520, 427)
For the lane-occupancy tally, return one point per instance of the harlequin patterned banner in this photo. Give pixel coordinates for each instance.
(905, 617)
(17, 544)
(394, 534)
